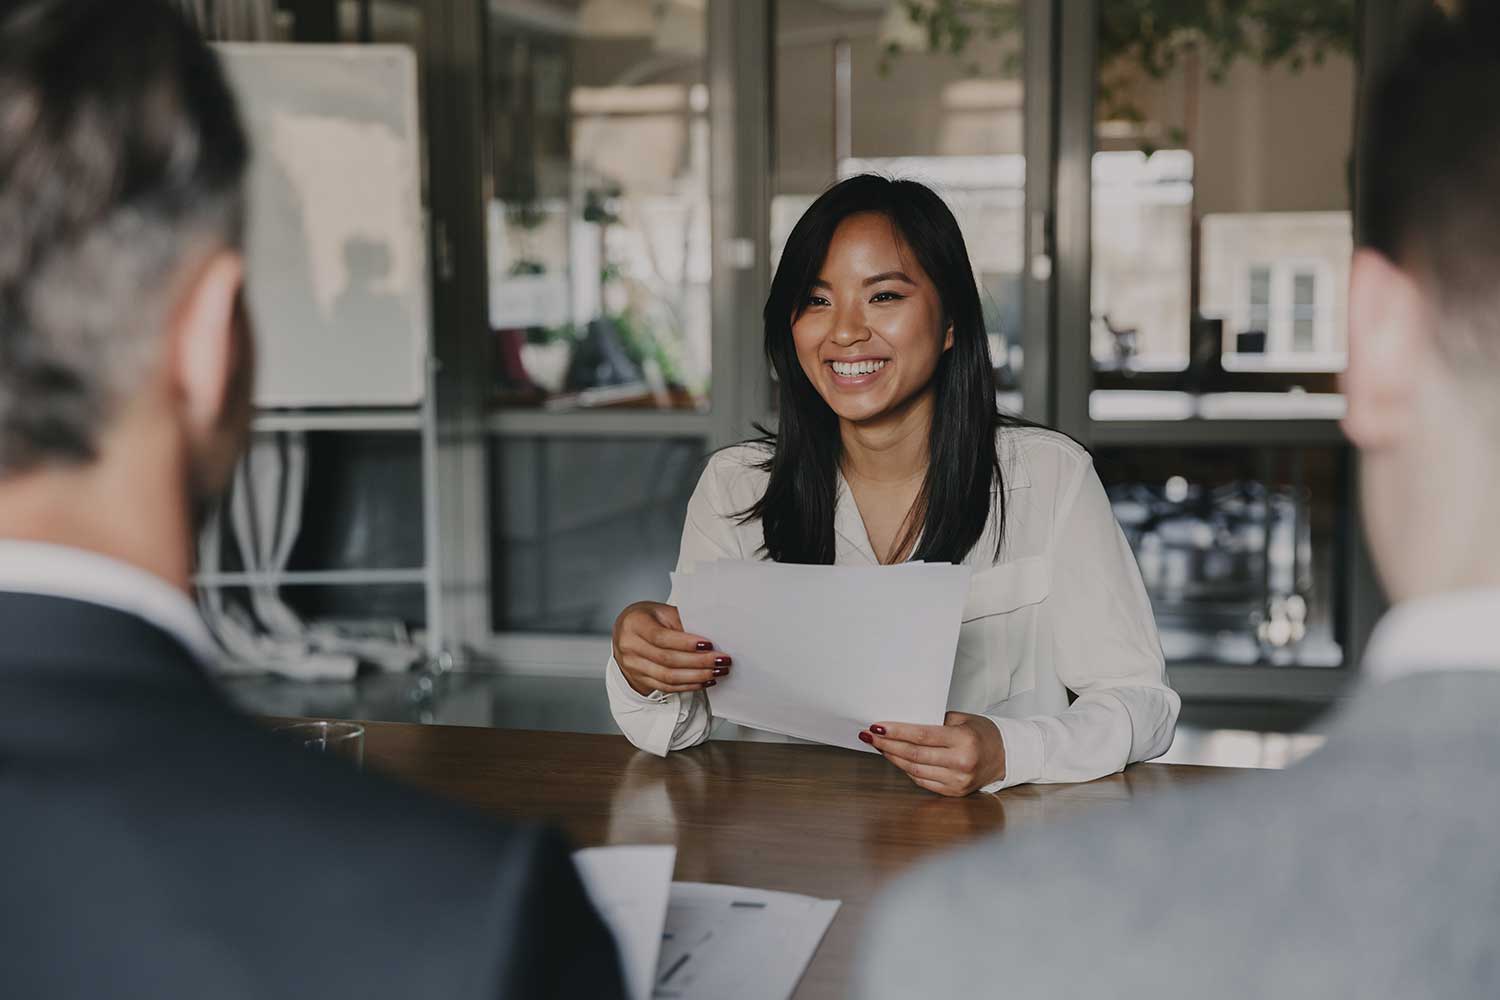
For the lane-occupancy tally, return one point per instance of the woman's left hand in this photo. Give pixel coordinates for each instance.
(965, 753)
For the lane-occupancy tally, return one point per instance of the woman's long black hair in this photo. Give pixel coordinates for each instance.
(953, 507)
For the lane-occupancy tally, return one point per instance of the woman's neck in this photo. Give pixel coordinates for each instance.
(891, 450)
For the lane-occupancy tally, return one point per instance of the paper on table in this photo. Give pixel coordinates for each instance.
(629, 886)
(820, 652)
(710, 941)
(729, 943)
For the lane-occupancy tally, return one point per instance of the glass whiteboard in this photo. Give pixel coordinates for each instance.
(337, 249)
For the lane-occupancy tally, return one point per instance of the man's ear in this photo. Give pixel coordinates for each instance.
(204, 353)
(1388, 327)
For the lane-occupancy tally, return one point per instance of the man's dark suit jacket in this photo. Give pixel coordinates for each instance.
(154, 843)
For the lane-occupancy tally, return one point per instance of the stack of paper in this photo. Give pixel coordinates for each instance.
(710, 941)
(821, 652)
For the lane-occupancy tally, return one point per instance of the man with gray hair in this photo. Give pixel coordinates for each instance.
(1369, 870)
(154, 843)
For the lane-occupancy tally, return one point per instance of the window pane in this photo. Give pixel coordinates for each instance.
(585, 526)
(1237, 547)
(1221, 171)
(598, 224)
(1304, 287)
(1304, 312)
(1141, 261)
(1260, 289)
(1302, 335)
(864, 87)
(1250, 338)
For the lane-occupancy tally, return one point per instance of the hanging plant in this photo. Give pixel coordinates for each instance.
(1153, 37)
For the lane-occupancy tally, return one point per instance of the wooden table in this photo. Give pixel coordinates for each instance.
(814, 820)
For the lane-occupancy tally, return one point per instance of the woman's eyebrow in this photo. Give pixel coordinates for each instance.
(876, 279)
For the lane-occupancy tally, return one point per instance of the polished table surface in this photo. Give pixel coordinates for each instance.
(814, 820)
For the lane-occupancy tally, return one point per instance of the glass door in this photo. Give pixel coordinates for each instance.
(934, 93)
(597, 214)
(613, 294)
(1202, 324)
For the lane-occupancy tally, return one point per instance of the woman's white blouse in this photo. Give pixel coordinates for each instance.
(1062, 609)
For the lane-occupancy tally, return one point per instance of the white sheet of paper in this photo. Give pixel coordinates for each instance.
(630, 886)
(821, 652)
(728, 943)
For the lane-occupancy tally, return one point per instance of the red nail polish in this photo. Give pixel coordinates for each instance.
(878, 730)
(704, 647)
(720, 671)
(709, 684)
(866, 737)
(722, 661)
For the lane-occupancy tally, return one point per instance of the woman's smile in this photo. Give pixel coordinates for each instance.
(854, 374)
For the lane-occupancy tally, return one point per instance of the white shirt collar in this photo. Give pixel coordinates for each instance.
(848, 522)
(1445, 632)
(63, 571)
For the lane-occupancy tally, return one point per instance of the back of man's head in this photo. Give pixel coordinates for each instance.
(122, 159)
(1423, 383)
(1431, 174)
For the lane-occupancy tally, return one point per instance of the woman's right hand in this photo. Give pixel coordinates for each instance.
(655, 654)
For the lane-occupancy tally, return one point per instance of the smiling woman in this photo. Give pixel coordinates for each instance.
(888, 448)
(877, 270)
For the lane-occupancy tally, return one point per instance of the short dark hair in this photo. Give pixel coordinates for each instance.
(121, 155)
(964, 472)
(1430, 171)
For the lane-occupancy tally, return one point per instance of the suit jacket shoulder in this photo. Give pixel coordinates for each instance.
(158, 844)
(1365, 871)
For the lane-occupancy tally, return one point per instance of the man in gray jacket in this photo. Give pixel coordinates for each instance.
(1371, 869)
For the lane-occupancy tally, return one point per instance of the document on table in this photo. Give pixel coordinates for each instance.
(738, 944)
(690, 940)
(630, 886)
(820, 652)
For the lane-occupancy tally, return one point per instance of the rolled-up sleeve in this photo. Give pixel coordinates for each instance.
(1106, 651)
(661, 722)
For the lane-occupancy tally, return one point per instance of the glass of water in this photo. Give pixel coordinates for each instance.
(338, 739)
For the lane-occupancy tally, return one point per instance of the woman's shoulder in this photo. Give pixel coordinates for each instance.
(746, 459)
(750, 454)
(737, 473)
(1037, 455)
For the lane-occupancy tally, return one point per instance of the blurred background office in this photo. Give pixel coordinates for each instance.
(1159, 200)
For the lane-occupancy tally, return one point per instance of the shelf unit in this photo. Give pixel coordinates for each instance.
(1202, 431)
(600, 423)
(420, 420)
(1204, 679)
